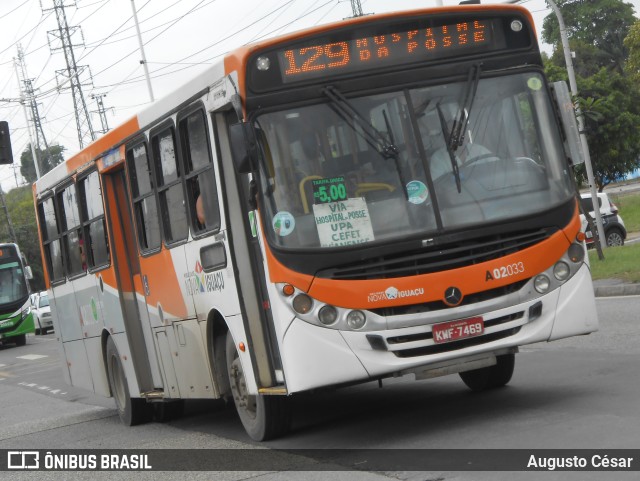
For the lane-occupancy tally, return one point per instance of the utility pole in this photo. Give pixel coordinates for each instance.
(34, 154)
(101, 112)
(73, 72)
(356, 8)
(29, 92)
(144, 59)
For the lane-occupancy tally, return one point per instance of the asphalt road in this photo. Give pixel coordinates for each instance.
(579, 393)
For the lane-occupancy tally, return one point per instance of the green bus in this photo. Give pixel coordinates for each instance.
(16, 318)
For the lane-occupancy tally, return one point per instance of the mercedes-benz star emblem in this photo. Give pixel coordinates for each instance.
(452, 296)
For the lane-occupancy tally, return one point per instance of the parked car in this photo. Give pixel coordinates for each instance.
(42, 314)
(614, 230)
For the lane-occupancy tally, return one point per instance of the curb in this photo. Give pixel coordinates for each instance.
(619, 290)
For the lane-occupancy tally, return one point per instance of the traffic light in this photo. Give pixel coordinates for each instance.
(6, 154)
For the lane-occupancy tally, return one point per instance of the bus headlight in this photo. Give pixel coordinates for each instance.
(561, 271)
(356, 320)
(25, 312)
(302, 303)
(328, 315)
(542, 283)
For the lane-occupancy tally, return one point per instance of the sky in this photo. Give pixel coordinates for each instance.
(181, 38)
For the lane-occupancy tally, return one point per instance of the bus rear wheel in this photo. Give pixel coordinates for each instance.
(263, 417)
(490, 377)
(132, 411)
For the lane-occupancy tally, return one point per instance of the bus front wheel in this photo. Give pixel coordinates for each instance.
(490, 377)
(263, 417)
(132, 411)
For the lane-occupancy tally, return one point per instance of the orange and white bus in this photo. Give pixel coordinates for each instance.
(388, 195)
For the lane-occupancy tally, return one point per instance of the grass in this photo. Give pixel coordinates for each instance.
(621, 262)
(629, 205)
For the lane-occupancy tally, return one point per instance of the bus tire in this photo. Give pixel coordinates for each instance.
(20, 340)
(168, 410)
(490, 377)
(131, 411)
(263, 417)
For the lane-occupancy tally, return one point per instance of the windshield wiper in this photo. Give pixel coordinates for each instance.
(384, 145)
(341, 106)
(461, 120)
(449, 147)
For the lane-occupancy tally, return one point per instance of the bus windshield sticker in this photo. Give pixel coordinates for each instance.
(343, 223)
(534, 83)
(283, 223)
(329, 190)
(417, 192)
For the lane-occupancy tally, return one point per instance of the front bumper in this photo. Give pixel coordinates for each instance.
(315, 357)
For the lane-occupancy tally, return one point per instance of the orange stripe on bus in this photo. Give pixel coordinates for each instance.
(164, 285)
(103, 144)
(356, 294)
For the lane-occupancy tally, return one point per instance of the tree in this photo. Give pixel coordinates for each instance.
(48, 160)
(596, 30)
(609, 99)
(612, 123)
(23, 217)
(632, 43)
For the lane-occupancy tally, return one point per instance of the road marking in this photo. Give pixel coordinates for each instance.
(41, 388)
(32, 357)
(2, 365)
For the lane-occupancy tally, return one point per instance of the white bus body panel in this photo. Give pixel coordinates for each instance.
(576, 310)
(79, 371)
(315, 357)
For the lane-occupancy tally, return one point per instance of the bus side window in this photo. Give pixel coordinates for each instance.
(96, 244)
(70, 227)
(144, 200)
(200, 179)
(51, 239)
(169, 185)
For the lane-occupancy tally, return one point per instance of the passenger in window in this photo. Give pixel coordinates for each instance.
(83, 255)
(200, 210)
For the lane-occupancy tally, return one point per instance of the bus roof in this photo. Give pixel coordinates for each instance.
(232, 61)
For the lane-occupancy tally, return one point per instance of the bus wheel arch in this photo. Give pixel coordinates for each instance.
(132, 411)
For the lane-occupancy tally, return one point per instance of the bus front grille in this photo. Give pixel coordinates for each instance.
(416, 344)
(439, 258)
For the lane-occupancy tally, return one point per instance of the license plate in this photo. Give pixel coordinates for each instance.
(455, 330)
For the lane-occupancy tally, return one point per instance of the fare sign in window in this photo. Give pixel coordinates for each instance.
(343, 223)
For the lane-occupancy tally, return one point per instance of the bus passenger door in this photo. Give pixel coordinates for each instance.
(130, 284)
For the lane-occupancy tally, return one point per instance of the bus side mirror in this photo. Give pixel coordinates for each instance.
(569, 123)
(243, 142)
(28, 273)
(6, 154)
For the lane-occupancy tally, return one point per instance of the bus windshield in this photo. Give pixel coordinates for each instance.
(410, 162)
(13, 285)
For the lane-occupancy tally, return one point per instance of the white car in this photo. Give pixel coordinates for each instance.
(614, 229)
(42, 314)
